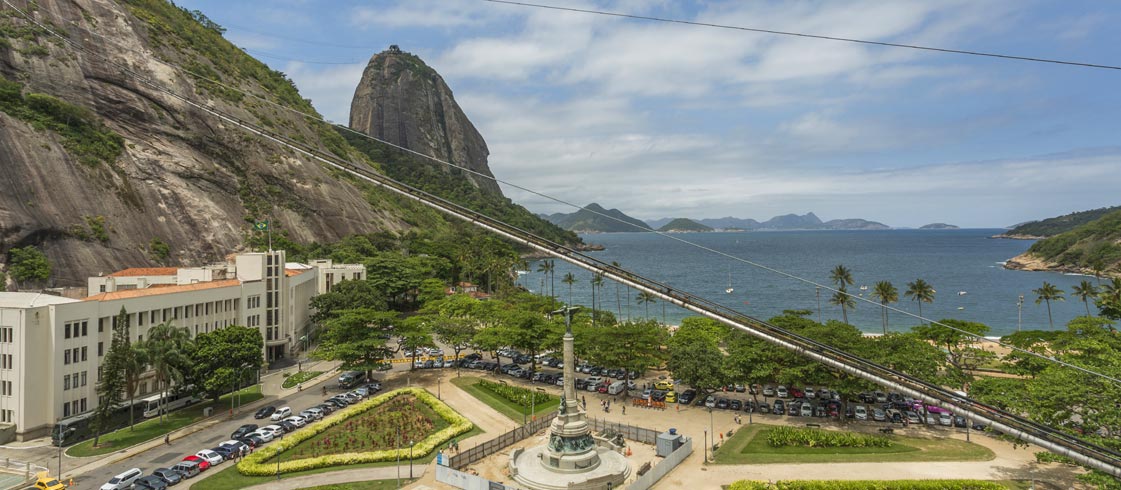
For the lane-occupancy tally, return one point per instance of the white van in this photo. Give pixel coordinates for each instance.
(616, 387)
(123, 480)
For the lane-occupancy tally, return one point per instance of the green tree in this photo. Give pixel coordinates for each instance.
(956, 337)
(532, 333)
(416, 334)
(841, 277)
(220, 356)
(348, 295)
(886, 293)
(645, 298)
(111, 385)
(634, 346)
(920, 291)
(548, 268)
(597, 283)
(167, 349)
(28, 264)
(357, 338)
(569, 279)
(135, 364)
(1085, 290)
(697, 361)
(1109, 301)
(618, 298)
(1035, 341)
(456, 333)
(844, 300)
(1048, 293)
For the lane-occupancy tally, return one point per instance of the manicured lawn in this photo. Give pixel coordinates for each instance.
(375, 430)
(300, 377)
(146, 430)
(363, 485)
(749, 446)
(508, 408)
(229, 478)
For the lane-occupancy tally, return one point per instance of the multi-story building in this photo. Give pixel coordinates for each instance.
(51, 347)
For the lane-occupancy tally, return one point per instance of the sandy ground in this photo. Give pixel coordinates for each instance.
(698, 422)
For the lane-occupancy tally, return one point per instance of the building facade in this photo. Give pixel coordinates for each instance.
(51, 347)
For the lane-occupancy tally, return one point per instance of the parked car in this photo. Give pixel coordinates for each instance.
(211, 457)
(150, 482)
(781, 392)
(861, 412)
(203, 464)
(252, 440)
(794, 408)
(281, 413)
(264, 412)
(931, 418)
(946, 419)
(286, 426)
(227, 453)
(664, 384)
(722, 403)
(878, 415)
(779, 408)
(351, 378)
(168, 475)
(671, 397)
(796, 393)
(913, 417)
(123, 480)
(687, 396)
(880, 396)
(236, 446)
(188, 469)
(959, 421)
(894, 415)
(297, 420)
(764, 408)
(264, 434)
(809, 392)
(243, 430)
(768, 390)
(710, 402)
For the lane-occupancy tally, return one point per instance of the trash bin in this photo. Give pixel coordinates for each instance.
(208, 411)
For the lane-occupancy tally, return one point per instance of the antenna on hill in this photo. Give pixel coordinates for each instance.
(393, 48)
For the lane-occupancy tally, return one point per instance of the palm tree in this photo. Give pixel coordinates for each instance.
(597, 282)
(569, 279)
(1084, 291)
(920, 291)
(1048, 293)
(841, 276)
(547, 267)
(844, 300)
(646, 298)
(167, 353)
(886, 293)
(135, 365)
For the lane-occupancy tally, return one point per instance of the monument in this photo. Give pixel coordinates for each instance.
(572, 458)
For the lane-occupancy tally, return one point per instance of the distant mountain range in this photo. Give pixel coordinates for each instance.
(938, 226)
(597, 219)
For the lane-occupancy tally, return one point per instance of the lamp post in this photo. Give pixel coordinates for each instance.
(61, 440)
(397, 446)
(1020, 313)
(278, 466)
(410, 460)
(706, 446)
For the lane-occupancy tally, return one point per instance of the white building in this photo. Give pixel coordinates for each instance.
(51, 347)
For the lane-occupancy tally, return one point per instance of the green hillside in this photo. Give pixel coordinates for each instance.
(684, 224)
(1092, 246)
(1060, 224)
(596, 219)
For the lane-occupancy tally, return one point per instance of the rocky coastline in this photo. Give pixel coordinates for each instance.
(1029, 262)
(1018, 237)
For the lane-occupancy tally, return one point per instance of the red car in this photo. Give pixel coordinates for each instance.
(602, 388)
(796, 393)
(203, 464)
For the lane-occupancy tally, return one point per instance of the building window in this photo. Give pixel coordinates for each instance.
(84, 378)
(6, 335)
(208, 308)
(66, 356)
(140, 339)
(186, 312)
(65, 409)
(5, 361)
(85, 328)
(83, 353)
(67, 327)
(66, 382)
(140, 317)
(6, 388)
(101, 325)
(100, 349)
(83, 400)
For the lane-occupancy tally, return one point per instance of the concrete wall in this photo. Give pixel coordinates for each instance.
(662, 469)
(459, 479)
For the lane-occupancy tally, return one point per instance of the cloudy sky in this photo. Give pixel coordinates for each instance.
(665, 120)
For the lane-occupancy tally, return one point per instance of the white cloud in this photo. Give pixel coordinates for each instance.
(427, 13)
(330, 87)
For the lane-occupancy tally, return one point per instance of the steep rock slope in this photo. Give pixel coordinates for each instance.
(1090, 248)
(405, 102)
(179, 176)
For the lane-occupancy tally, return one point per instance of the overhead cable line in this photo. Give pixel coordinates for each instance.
(974, 336)
(281, 58)
(805, 35)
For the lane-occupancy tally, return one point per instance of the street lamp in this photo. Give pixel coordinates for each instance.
(410, 460)
(61, 440)
(706, 446)
(398, 448)
(1020, 313)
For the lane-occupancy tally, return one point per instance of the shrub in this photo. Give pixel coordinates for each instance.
(795, 436)
(868, 485)
(257, 464)
(515, 394)
(1049, 457)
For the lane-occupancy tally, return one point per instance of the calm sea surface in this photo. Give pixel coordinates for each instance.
(950, 260)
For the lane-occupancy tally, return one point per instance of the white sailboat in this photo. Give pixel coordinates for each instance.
(730, 288)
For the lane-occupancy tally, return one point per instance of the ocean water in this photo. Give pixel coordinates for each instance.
(952, 261)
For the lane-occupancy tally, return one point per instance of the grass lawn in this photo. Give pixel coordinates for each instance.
(749, 446)
(146, 430)
(363, 485)
(374, 430)
(300, 377)
(229, 478)
(508, 408)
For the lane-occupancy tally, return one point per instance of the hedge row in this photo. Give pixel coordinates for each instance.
(1049, 457)
(256, 464)
(868, 485)
(515, 394)
(796, 436)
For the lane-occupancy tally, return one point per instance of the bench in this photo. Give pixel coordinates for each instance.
(887, 430)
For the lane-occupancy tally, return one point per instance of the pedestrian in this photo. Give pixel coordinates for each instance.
(678, 408)
(624, 409)
(71, 485)
(167, 439)
(585, 400)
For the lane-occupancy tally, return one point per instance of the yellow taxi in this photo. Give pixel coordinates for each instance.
(48, 482)
(664, 384)
(671, 397)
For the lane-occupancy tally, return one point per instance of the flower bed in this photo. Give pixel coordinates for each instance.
(515, 394)
(299, 377)
(374, 430)
(868, 485)
(257, 464)
(796, 436)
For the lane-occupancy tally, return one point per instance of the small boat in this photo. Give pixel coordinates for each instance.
(961, 307)
(730, 288)
(522, 273)
(863, 288)
(962, 293)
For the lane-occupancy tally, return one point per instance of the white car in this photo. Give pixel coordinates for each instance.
(264, 433)
(710, 402)
(312, 414)
(945, 419)
(211, 457)
(297, 420)
(809, 392)
(281, 413)
(123, 480)
(781, 392)
(277, 430)
(861, 412)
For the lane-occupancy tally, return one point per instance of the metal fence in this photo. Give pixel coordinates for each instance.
(631, 432)
(24, 469)
(468, 456)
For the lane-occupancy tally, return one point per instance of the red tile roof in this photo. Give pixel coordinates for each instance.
(146, 271)
(136, 293)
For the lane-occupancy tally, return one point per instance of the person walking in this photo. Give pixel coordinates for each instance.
(624, 409)
(167, 439)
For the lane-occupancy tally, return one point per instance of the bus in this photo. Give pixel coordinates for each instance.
(78, 428)
(153, 405)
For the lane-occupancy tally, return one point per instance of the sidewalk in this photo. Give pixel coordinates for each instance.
(270, 387)
(344, 476)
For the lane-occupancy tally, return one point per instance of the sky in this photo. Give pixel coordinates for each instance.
(670, 120)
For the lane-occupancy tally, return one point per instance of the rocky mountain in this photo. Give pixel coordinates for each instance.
(808, 221)
(1090, 248)
(593, 218)
(853, 224)
(101, 171)
(938, 226)
(1033, 230)
(683, 224)
(729, 222)
(403, 101)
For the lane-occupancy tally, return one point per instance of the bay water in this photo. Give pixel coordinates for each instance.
(952, 261)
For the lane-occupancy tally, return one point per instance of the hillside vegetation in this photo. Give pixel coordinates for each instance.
(1059, 224)
(684, 224)
(1095, 245)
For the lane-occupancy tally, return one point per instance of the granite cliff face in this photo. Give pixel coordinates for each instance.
(153, 169)
(403, 101)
